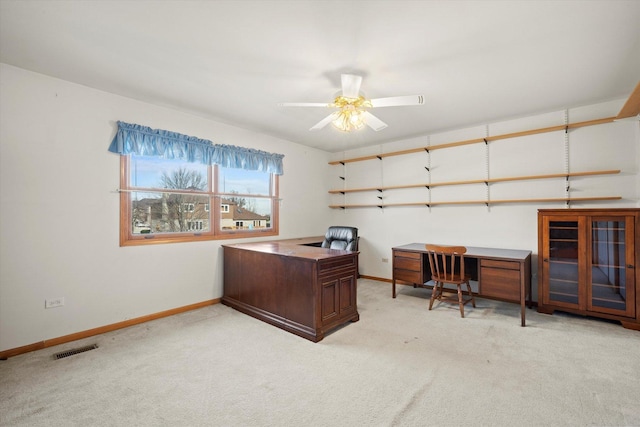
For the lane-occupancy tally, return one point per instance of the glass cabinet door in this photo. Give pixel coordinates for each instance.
(561, 263)
(611, 275)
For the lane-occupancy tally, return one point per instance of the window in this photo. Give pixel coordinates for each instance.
(177, 188)
(188, 207)
(167, 201)
(195, 225)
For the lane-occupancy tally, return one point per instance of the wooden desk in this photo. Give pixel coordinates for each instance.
(292, 284)
(503, 274)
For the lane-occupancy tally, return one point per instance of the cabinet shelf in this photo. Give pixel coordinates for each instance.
(621, 267)
(615, 230)
(606, 286)
(565, 281)
(566, 294)
(617, 300)
(554, 261)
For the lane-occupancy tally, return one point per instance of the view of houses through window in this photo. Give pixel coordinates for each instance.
(169, 197)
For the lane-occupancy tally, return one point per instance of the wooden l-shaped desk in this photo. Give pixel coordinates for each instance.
(309, 291)
(503, 274)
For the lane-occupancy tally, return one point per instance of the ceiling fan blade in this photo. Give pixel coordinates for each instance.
(373, 122)
(397, 101)
(351, 85)
(322, 123)
(303, 104)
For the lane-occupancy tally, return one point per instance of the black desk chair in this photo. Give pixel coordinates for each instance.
(447, 266)
(339, 237)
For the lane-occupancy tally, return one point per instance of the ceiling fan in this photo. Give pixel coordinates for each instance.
(351, 113)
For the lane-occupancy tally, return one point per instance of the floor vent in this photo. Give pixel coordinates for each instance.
(73, 351)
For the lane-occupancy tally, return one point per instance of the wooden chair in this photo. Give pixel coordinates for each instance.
(447, 266)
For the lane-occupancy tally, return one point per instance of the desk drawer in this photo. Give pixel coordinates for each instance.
(331, 265)
(408, 276)
(403, 254)
(406, 264)
(509, 265)
(502, 283)
(407, 260)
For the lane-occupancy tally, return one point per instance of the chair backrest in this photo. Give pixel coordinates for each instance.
(446, 262)
(339, 237)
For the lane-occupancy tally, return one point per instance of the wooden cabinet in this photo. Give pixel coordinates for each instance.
(338, 296)
(587, 261)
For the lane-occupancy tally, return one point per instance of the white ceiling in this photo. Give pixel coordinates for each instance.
(233, 61)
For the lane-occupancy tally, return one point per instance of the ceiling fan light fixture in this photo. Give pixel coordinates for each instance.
(343, 102)
(350, 116)
(349, 120)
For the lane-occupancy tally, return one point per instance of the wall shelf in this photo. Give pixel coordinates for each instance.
(477, 140)
(487, 200)
(476, 181)
(567, 200)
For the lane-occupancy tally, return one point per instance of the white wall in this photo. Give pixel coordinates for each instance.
(59, 212)
(601, 147)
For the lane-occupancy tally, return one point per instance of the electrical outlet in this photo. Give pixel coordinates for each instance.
(385, 259)
(54, 302)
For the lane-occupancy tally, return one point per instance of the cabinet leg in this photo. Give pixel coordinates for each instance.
(393, 288)
(545, 310)
(630, 325)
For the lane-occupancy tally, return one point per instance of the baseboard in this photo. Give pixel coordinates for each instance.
(380, 279)
(103, 329)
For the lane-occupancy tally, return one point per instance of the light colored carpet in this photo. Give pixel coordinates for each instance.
(400, 365)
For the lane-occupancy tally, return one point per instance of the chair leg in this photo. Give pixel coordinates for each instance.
(460, 302)
(473, 300)
(434, 291)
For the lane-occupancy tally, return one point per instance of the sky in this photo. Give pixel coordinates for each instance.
(146, 172)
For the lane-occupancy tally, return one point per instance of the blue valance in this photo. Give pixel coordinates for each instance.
(144, 141)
